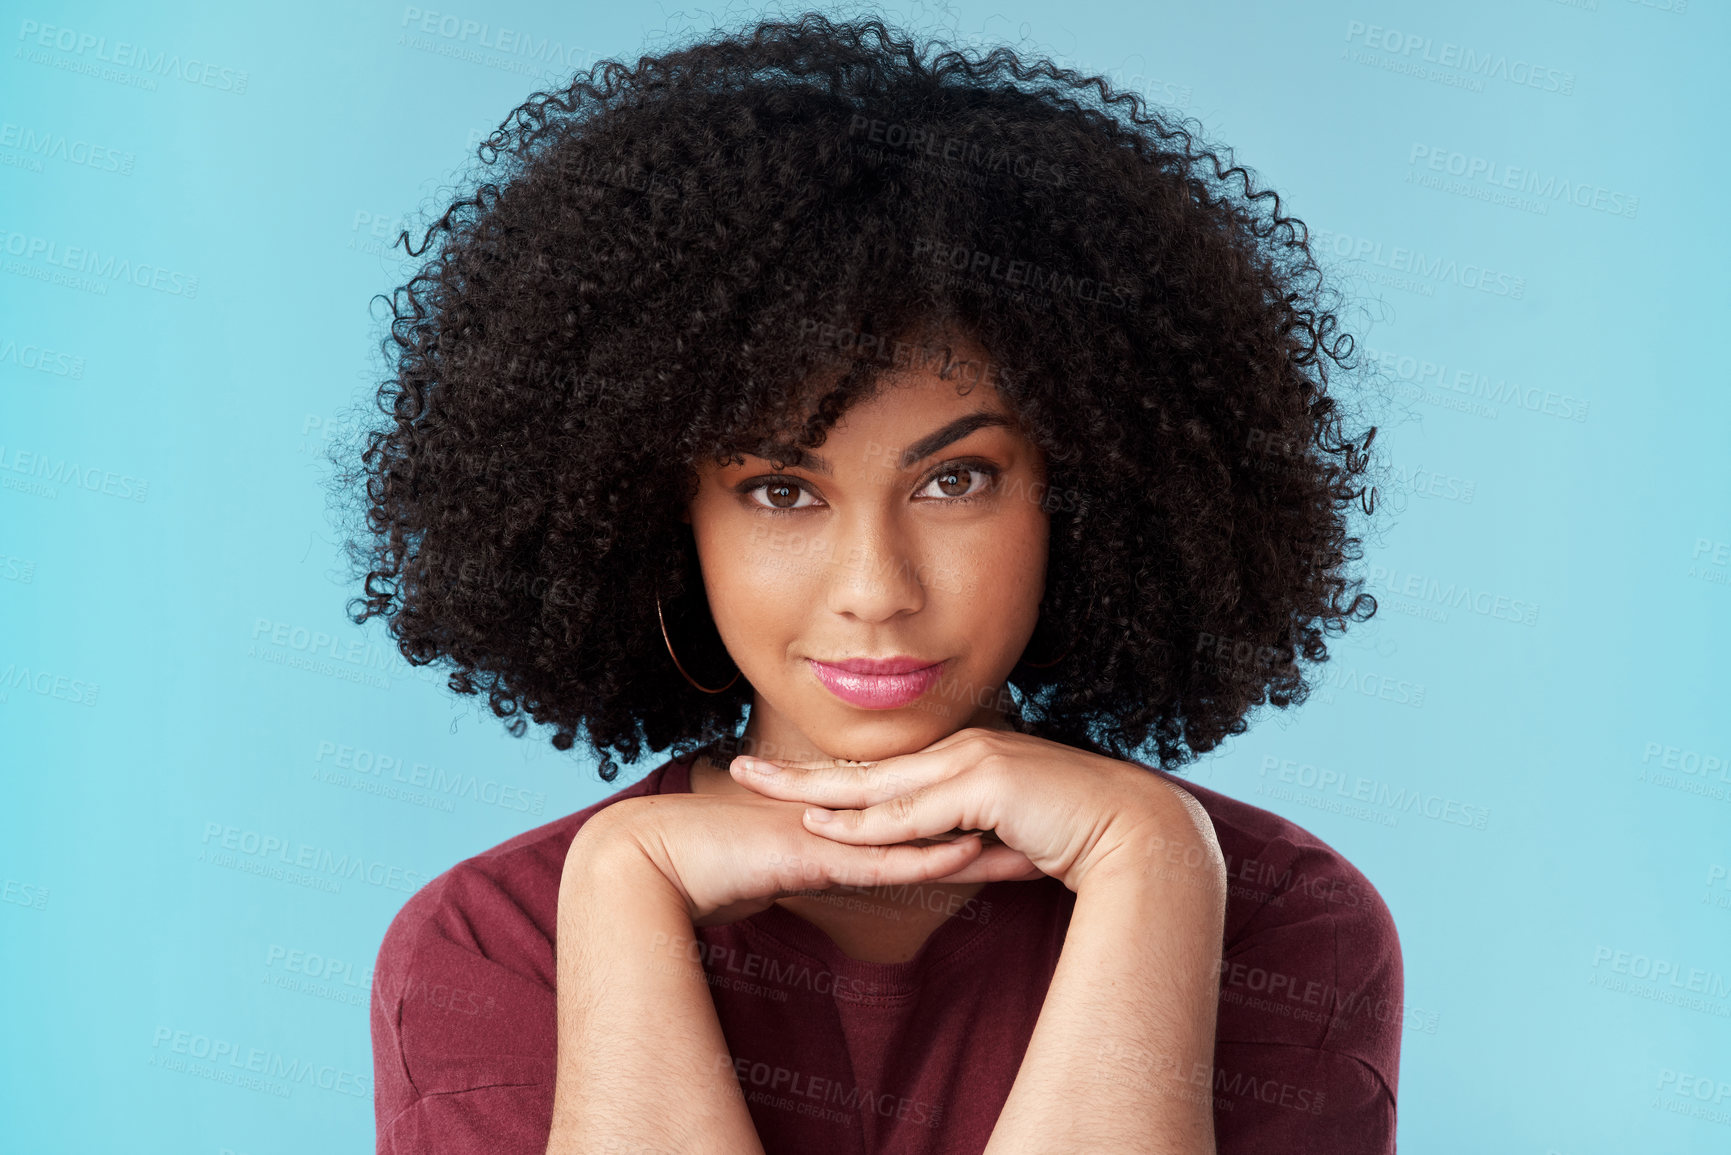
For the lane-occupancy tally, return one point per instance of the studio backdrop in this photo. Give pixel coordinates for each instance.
(218, 790)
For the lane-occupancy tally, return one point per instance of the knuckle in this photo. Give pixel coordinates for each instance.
(876, 864)
(790, 871)
(986, 748)
(902, 806)
(979, 739)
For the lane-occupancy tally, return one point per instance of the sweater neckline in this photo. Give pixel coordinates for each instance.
(959, 936)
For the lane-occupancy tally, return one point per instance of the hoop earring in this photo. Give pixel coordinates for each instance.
(663, 620)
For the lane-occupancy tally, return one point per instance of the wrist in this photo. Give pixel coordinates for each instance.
(1167, 841)
(614, 855)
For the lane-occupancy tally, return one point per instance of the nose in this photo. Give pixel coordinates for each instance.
(878, 573)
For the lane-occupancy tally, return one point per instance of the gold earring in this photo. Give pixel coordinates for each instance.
(659, 617)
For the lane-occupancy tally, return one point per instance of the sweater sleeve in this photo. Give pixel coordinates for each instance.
(1307, 1043)
(462, 1018)
(506, 1119)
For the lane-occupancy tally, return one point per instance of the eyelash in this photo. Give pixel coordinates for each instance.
(990, 472)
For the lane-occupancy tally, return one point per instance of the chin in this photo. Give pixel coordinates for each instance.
(892, 732)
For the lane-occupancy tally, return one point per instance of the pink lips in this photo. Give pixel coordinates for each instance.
(877, 683)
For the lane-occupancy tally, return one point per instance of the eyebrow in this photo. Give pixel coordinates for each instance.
(918, 451)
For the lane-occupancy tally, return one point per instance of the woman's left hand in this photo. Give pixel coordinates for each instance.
(1057, 810)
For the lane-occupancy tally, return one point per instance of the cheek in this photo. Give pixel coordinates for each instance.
(999, 570)
(782, 557)
(754, 571)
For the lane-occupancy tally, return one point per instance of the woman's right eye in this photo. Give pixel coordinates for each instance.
(783, 496)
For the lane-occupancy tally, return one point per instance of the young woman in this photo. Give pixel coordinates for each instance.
(963, 430)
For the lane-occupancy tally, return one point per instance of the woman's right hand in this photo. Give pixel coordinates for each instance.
(732, 855)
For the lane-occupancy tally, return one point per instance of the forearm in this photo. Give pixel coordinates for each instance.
(1121, 1057)
(643, 1067)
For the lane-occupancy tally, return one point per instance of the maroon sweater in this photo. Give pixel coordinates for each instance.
(848, 1057)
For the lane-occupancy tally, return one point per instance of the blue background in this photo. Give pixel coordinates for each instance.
(1555, 570)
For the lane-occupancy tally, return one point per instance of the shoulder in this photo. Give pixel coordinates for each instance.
(1311, 957)
(463, 987)
(1276, 866)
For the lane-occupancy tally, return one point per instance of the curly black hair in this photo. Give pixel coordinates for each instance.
(735, 239)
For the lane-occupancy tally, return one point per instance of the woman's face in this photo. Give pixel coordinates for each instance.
(915, 532)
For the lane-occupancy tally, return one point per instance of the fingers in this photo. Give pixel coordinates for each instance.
(842, 785)
(867, 866)
(989, 837)
(930, 812)
(995, 864)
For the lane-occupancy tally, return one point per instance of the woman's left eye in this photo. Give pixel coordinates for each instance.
(962, 481)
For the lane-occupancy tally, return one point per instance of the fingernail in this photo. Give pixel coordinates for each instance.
(817, 814)
(755, 765)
